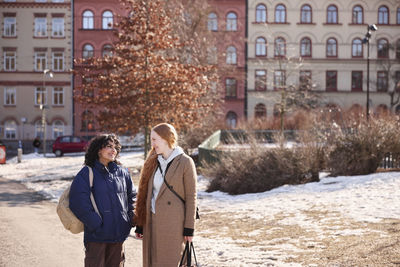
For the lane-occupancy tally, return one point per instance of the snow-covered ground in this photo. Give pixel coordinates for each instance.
(363, 199)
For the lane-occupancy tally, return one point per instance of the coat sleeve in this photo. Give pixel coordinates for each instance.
(190, 182)
(131, 195)
(79, 201)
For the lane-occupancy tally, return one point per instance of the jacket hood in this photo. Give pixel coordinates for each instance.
(176, 152)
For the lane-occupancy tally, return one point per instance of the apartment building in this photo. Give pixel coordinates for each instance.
(93, 37)
(35, 79)
(227, 21)
(291, 41)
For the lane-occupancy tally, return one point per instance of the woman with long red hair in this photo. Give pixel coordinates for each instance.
(166, 201)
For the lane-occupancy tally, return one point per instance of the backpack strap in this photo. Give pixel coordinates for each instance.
(91, 193)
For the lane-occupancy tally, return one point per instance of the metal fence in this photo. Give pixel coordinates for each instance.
(390, 161)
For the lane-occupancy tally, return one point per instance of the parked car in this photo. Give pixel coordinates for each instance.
(68, 144)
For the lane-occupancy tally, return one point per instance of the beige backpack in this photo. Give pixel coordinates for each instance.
(67, 217)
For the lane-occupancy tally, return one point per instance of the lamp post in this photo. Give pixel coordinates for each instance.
(370, 28)
(43, 107)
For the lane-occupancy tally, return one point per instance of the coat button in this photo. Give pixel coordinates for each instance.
(169, 202)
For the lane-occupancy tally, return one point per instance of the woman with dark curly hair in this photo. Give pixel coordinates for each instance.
(114, 194)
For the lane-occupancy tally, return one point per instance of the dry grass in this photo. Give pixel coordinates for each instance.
(337, 241)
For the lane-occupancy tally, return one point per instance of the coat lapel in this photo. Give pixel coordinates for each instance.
(170, 174)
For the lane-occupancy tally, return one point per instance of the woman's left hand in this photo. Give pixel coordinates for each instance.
(188, 238)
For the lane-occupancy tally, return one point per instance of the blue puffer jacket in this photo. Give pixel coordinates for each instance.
(114, 194)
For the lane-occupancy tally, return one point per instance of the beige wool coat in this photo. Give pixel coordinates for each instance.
(163, 240)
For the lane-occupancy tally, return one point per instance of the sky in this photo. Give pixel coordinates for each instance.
(367, 198)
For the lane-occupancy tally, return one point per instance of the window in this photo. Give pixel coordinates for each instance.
(58, 27)
(107, 50)
(87, 20)
(260, 83)
(231, 57)
(231, 22)
(231, 119)
(398, 15)
(397, 81)
(331, 80)
(357, 15)
(87, 123)
(40, 96)
(261, 14)
(40, 61)
(332, 15)
(280, 47)
(212, 55)
(40, 27)
(10, 59)
(305, 47)
(277, 110)
(356, 81)
(383, 15)
(356, 48)
(261, 47)
(212, 23)
(280, 14)
(58, 96)
(39, 129)
(10, 27)
(279, 79)
(383, 48)
(58, 129)
(306, 14)
(260, 111)
(107, 20)
(87, 51)
(305, 79)
(382, 81)
(230, 87)
(87, 90)
(331, 47)
(398, 49)
(10, 129)
(10, 97)
(58, 61)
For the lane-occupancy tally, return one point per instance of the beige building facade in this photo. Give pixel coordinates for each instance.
(35, 77)
(323, 41)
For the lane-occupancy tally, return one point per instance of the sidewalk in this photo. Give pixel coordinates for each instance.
(32, 235)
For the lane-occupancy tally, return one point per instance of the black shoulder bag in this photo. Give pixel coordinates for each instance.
(171, 188)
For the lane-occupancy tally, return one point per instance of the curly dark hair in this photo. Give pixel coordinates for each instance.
(98, 142)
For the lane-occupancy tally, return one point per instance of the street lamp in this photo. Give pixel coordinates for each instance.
(43, 107)
(370, 28)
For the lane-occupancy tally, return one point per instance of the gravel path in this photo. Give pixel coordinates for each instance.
(32, 235)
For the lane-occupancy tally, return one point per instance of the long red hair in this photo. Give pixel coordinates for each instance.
(167, 132)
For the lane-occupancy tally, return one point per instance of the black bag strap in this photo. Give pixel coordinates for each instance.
(194, 254)
(170, 187)
(165, 181)
(185, 252)
(189, 249)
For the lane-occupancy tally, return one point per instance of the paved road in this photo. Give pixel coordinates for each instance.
(32, 235)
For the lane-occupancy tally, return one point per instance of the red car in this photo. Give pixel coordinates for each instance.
(68, 144)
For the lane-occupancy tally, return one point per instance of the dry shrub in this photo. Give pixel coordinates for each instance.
(259, 169)
(360, 147)
(296, 120)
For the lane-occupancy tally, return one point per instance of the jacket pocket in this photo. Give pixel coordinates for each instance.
(107, 229)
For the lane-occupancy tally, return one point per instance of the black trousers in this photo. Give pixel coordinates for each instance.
(104, 254)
